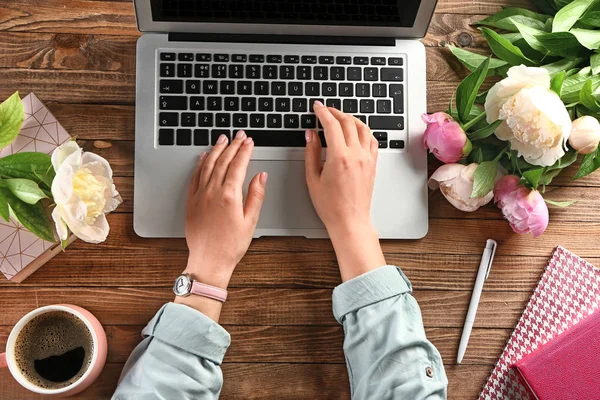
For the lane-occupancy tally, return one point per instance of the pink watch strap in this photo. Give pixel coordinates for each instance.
(209, 291)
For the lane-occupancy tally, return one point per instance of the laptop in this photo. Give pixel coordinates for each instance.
(208, 67)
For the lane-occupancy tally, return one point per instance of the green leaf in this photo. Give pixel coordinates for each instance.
(484, 132)
(546, 6)
(510, 23)
(510, 12)
(529, 35)
(563, 44)
(569, 158)
(589, 164)
(588, 38)
(587, 98)
(560, 203)
(504, 49)
(31, 216)
(557, 81)
(484, 178)
(573, 84)
(533, 177)
(26, 190)
(595, 63)
(476, 156)
(45, 180)
(27, 166)
(4, 213)
(512, 37)
(561, 66)
(473, 60)
(567, 16)
(591, 18)
(467, 91)
(11, 119)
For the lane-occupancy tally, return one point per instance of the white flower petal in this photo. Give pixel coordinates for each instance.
(503, 132)
(62, 152)
(97, 165)
(94, 233)
(444, 173)
(62, 185)
(61, 227)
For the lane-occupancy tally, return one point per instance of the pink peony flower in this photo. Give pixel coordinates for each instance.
(525, 209)
(455, 181)
(445, 138)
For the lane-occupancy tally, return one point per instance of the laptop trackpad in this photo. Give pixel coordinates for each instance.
(287, 204)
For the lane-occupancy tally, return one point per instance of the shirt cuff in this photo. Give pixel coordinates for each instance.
(369, 288)
(190, 330)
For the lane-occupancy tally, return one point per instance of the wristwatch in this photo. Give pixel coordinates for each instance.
(186, 285)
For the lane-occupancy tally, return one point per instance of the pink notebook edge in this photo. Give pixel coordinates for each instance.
(489, 390)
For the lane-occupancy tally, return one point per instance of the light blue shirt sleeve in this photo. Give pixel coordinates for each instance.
(179, 358)
(387, 353)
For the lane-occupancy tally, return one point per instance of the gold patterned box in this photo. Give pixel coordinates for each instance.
(21, 252)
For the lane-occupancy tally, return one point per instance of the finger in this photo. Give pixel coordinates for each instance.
(195, 181)
(208, 164)
(348, 126)
(374, 148)
(222, 164)
(255, 198)
(312, 156)
(239, 165)
(364, 133)
(333, 130)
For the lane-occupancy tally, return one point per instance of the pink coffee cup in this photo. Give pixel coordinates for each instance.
(98, 357)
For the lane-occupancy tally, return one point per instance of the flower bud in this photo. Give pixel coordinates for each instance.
(445, 138)
(585, 134)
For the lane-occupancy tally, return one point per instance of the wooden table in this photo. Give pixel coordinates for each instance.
(78, 56)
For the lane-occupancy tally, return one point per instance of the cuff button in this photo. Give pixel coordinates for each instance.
(429, 372)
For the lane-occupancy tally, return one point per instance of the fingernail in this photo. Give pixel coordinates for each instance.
(240, 134)
(308, 136)
(221, 139)
(202, 156)
(318, 103)
(263, 178)
(248, 140)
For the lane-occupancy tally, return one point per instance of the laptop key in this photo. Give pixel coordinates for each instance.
(256, 58)
(367, 106)
(308, 121)
(219, 71)
(383, 144)
(265, 104)
(214, 135)
(188, 119)
(397, 144)
(184, 70)
(363, 118)
(166, 137)
(335, 103)
(377, 60)
(186, 57)
(171, 86)
(361, 60)
(282, 104)
(295, 89)
(291, 121)
(167, 70)
(168, 119)
(354, 73)
(384, 106)
(252, 71)
(274, 59)
(222, 120)
(371, 74)
(329, 89)
(184, 137)
(350, 106)
(192, 87)
(392, 74)
(278, 88)
(326, 60)
(248, 104)
(236, 71)
(269, 72)
(321, 73)
(397, 93)
(205, 119)
(299, 105)
(274, 121)
(203, 57)
(395, 61)
(201, 70)
(257, 120)
(200, 137)
(286, 72)
(291, 59)
(172, 103)
(261, 88)
(303, 73)
(222, 57)
(379, 90)
(244, 87)
(311, 104)
(167, 56)
(311, 89)
(196, 103)
(338, 74)
(309, 59)
(363, 90)
(380, 135)
(276, 138)
(209, 87)
(343, 60)
(214, 104)
(387, 122)
(240, 120)
(346, 90)
(227, 87)
(232, 104)
(238, 58)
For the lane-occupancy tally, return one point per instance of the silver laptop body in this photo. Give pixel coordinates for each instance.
(210, 43)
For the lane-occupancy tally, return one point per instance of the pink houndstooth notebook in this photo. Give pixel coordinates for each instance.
(568, 292)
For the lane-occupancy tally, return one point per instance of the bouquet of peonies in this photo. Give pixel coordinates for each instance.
(73, 188)
(508, 143)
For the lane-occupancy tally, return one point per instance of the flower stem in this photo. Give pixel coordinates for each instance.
(472, 122)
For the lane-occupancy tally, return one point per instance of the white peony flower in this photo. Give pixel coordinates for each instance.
(536, 121)
(455, 181)
(585, 135)
(84, 192)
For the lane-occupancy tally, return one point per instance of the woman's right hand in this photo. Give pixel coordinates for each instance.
(341, 189)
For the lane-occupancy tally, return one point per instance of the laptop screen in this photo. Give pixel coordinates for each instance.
(385, 13)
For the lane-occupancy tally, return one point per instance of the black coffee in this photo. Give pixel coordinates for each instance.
(54, 349)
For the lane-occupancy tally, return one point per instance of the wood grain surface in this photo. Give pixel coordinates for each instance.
(78, 56)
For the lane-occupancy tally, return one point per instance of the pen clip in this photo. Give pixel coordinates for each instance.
(490, 243)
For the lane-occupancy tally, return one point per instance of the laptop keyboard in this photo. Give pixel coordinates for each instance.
(271, 96)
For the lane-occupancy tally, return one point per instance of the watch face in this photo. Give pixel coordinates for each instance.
(182, 285)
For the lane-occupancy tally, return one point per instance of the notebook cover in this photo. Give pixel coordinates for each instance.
(568, 366)
(21, 252)
(568, 291)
